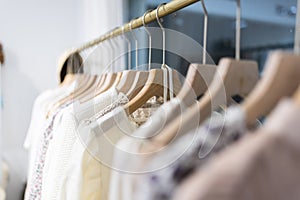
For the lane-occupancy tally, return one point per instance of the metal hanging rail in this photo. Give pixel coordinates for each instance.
(164, 10)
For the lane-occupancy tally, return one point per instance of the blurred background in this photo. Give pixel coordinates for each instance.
(34, 34)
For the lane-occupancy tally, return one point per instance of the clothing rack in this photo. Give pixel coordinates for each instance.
(164, 10)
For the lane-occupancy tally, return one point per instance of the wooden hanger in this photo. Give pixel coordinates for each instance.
(126, 81)
(74, 65)
(297, 96)
(86, 84)
(238, 77)
(71, 68)
(233, 77)
(281, 78)
(91, 89)
(155, 83)
(69, 79)
(82, 87)
(90, 95)
(98, 80)
(111, 80)
(153, 87)
(199, 76)
(138, 84)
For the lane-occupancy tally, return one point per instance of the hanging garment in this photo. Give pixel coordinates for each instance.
(4, 179)
(179, 159)
(99, 138)
(34, 189)
(38, 120)
(128, 149)
(64, 138)
(260, 166)
(94, 150)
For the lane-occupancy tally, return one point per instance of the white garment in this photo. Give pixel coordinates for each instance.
(64, 138)
(40, 109)
(2, 194)
(94, 150)
(38, 119)
(5, 175)
(121, 186)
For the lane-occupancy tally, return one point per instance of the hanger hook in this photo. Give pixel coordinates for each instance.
(204, 31)
(136, 44)
(111, 35)
(106, 42)
(111, 51)
(163, 33)
(167, 70)
(116, 44)
(150, 38)
(128, 47)
(238, 30)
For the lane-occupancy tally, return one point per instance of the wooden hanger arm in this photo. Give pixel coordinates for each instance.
(229, 79)
(118, 79)
(297, 96)
(142, 98)
(126, 81)
(151, 88)
(281, 79)
(110, 79)
(196, 83)
(138, 84)
(91, 89)
(92, 94)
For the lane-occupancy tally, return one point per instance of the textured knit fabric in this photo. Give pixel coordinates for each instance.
(64, 137)
(34, 188)
(38, 120)
(261, 166)
(187, 153)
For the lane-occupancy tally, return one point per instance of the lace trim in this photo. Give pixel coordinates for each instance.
(141, 115)
(121, 100)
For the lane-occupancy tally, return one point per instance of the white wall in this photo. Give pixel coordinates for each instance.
(34, 34)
